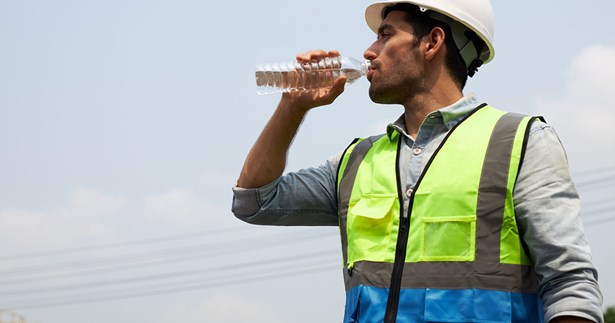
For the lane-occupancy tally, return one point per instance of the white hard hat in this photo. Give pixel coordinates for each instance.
(476, 15)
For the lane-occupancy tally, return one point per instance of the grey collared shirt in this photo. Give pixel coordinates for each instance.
(547, 207)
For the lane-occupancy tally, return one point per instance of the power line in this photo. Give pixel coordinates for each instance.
(87, 298)
(55, 252)
(247, 270)
(595, 171)
(147, 260)
(598, 209)
(203, 250)
(274, 263)
(594, 222)
(592, 182)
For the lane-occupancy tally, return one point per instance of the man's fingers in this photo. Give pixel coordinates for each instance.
(334, 53)
(317, 54)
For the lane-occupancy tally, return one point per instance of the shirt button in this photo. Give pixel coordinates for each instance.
(409, 192)
(417, 151)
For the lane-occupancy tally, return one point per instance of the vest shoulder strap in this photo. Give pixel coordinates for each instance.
(353, 155)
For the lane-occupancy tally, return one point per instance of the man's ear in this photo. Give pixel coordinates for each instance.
(435, 42)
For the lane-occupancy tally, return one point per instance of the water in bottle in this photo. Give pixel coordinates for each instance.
(288, 77)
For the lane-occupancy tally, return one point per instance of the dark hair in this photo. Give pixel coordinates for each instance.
(422, 24)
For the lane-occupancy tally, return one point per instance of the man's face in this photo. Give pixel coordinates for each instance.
(396, 64)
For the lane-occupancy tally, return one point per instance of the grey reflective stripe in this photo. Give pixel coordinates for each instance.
(446, 275)
(346, 184)
(368, 273)
(492, 188)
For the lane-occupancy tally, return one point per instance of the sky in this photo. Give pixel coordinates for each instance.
(124, 125)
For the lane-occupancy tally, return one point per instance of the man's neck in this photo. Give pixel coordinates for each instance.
(420, 106)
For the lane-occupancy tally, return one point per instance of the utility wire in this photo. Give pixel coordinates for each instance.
(248, 266)
(592, 182)
(594, 222)
(597, 209)
(146, 242)
(595, 171)
(185, 236)
(269, 269)
(87, 298)
(156, 256)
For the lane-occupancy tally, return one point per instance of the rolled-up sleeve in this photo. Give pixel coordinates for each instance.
(548, 208)
(303, 198)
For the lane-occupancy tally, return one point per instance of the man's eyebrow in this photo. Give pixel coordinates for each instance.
(384, 27)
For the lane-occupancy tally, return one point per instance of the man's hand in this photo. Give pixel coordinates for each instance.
(267, 158)
(306, 100)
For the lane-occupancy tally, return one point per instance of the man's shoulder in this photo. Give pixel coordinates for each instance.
(537, 122)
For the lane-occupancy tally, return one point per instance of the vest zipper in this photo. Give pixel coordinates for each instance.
(400, 250)
(398, 266)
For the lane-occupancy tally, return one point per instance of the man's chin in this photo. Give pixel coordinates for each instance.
(374, 95)
(380, 97)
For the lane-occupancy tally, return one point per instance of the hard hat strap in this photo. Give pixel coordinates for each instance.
(468, 44)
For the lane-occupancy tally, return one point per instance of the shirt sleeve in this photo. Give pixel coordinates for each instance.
(303, 198)
(547, 208)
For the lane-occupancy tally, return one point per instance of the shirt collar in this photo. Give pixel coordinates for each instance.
(451, 115)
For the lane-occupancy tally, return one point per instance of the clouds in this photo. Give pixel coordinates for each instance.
(582, 114)
(90, 217)
(80, 221)
(592, 73)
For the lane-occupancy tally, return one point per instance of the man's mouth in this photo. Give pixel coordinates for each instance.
(370, 72)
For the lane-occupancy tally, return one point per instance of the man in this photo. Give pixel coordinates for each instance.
(459, 212)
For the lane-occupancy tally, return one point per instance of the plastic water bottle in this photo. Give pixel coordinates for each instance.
(288, 77)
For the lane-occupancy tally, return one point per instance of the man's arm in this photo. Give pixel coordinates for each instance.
(547, 208)
(267, 158)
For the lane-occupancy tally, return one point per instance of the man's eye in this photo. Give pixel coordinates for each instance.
(383, 35)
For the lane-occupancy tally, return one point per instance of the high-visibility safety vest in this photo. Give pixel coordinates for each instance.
(455, 254)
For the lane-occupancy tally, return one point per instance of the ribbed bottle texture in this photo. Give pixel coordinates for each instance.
(288, 77)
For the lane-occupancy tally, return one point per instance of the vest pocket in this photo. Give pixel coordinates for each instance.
(369, 226)
(448, 238)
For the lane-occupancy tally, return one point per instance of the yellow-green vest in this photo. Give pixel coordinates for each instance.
(460, 232)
